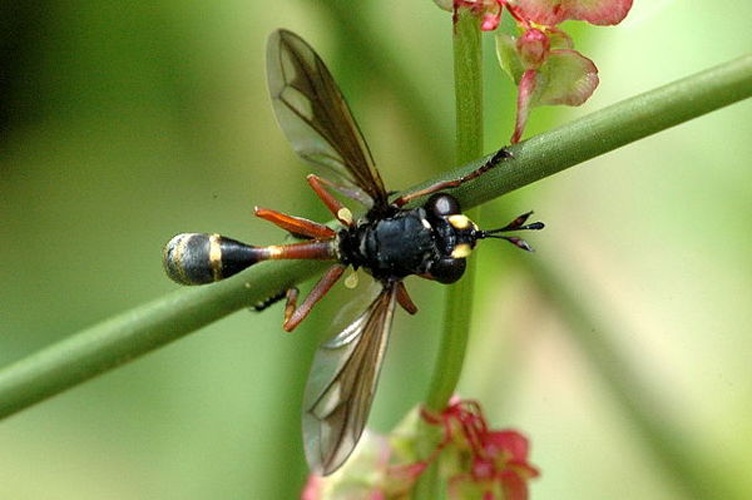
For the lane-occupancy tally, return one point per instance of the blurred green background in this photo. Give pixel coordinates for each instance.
(125, 123)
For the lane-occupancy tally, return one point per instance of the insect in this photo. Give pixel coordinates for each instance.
(390, 242)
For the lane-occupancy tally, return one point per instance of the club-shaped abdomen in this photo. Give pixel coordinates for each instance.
(200, 258)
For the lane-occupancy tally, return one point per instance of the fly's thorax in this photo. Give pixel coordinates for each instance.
(391, 247)
(432, 241)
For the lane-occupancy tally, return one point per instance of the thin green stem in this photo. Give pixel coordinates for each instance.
(468, 84)
(137, 332)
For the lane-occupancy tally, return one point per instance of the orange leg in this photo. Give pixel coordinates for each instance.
(297, 226)
(341, 212)
(295, 313)
(403, 298)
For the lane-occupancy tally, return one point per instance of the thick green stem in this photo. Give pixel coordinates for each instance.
(610, 128)
(137, 332)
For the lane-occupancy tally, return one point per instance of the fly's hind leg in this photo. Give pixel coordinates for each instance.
(294, 312)
(297, 226)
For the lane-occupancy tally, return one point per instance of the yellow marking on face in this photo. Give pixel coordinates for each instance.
(215, 257)
(461, 251)
(459, 221)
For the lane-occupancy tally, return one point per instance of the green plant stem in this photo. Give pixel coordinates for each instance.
(611, 128)
(468, 84)
(137, 332)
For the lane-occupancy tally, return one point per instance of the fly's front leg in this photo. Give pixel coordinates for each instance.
(341, 212)
(297, 226)
(295, 313)
(492, 162)
(404, 299)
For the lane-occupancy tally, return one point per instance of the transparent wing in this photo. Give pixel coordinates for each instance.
(315, 118)
(342, 385)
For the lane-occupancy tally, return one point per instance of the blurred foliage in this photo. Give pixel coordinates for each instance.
(123, 124)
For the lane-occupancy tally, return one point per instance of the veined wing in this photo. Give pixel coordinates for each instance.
(314, 116)
(342, 384)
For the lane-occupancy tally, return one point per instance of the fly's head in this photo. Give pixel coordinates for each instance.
(454, 236)
(457, 235)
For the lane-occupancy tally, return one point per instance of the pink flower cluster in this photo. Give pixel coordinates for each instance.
(474, 460)
(484, 463)
(540, 58)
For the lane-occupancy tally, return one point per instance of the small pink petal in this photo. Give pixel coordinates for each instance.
(553, 12)
(490, 22)
(514, 444)
(483, 469)
(525, 91)
(515, 487)
(533, 47)
(313, 489)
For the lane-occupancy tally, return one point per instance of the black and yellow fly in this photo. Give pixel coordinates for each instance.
(389, 241)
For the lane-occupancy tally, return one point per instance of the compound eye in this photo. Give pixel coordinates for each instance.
(448, 270)
(442, 204)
